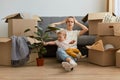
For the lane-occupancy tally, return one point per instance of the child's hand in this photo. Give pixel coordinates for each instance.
(45, 43)
(52, 25)
(71, 42)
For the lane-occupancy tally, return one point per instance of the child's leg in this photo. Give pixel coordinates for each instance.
(70, 52)
(69, 65)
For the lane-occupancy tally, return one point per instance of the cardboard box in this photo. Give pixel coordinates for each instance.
(5, 51)
(93, 20)
(117, 30)
(103, 58)
(18, 26)
(118, 58)
(105, 29)
(106, 57)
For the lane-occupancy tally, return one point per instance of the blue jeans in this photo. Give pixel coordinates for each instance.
(62, 55)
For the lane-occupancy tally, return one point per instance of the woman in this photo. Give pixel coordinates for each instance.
(68, 62)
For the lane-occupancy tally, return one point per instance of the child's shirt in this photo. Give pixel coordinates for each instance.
(64, 44)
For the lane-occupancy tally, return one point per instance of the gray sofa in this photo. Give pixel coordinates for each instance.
(82, 40)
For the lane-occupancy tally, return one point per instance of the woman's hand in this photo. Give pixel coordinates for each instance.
(58, 23)
(75, 20)
(52, 25)
(45, 43)
(64, 21)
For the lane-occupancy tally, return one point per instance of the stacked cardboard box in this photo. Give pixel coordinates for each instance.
(109, 32)
(16, 26)
(104, 32)
(105, 57)
(93, 20)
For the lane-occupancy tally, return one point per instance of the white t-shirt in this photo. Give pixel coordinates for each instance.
(72, 35)
(64, 44)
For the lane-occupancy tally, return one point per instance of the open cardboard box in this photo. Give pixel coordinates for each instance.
(19, 22)
(93, 20)
(100, 56)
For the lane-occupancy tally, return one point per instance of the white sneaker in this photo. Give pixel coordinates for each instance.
(81, 58)
(73, 63)
(67, 66)
(84, 56)
(78, 56)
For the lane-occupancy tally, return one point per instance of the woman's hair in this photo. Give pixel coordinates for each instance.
(70, 17)
(63, 32)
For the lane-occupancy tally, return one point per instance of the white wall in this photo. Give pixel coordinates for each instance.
(117, 7)
(48, 8)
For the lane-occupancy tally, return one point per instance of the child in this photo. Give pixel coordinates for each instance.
(64, 44)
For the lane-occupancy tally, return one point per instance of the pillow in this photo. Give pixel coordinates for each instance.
(108, 18)
(118, 19)
(108, 46)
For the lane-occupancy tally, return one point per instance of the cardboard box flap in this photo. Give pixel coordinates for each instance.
(95, 16)
(97, 46)
(36, 17)
(13, 16)
(4, 39)
(85, 18)
(22, 16)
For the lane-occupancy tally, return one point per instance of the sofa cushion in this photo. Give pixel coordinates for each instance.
(86, 39)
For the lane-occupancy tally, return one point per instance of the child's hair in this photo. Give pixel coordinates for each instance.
(63, 32)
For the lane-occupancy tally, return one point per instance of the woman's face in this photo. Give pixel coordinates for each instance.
(70, 23)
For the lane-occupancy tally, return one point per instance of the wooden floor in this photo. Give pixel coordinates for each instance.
(52, 70)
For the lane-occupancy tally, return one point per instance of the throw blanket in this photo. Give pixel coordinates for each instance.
(20, 51)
